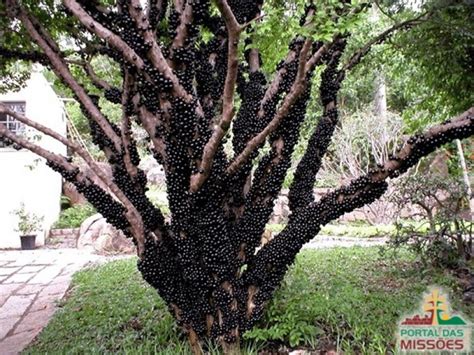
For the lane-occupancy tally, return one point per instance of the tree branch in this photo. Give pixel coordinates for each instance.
(61, 69)
(156, 10)
(56, 158)
(125, 129)
(220, 129)
(98, 82)
(295, 91)
(254, 60)
(132, 211)
(275, 257)
(301, 189)
(33, 56)
(128, 53)
(361, 52)
(186, 19)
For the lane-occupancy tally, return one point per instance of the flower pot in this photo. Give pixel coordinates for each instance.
(28, 242)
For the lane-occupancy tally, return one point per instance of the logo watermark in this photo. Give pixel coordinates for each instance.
(434, 327)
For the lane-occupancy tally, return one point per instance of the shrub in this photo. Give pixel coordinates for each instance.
(445, 239)
(74, 216)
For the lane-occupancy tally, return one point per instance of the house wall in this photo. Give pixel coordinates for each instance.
(24, 177)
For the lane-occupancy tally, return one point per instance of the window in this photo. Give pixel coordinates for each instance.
(10, 122)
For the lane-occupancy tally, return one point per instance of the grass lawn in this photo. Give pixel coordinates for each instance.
(349, 298)
(361, 229)
(348, 230)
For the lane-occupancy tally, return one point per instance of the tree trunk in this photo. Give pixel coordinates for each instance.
(466, 178)
(460, 242)
(380, 99)
(430, 216)
(194, 343)
(227, 348)
(231, 348)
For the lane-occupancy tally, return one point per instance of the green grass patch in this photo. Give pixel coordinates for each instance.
(347, 230)
(73, 217)
(356, 229)
(360, 231)
(351, 298)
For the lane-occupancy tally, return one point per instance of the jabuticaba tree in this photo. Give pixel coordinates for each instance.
(189, 78)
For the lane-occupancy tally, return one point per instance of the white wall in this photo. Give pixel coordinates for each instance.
(39, 188)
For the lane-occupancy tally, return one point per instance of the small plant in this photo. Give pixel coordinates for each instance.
(65, 202)
(73, 217)
(28, 222)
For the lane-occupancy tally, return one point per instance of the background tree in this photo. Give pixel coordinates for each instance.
(191, 72)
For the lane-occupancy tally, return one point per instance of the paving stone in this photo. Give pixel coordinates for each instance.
(49, 297)
(31, 268)
(61, 279)
(20, 262)
(15, 305)
(8, 260)
(6, 325)
(6, 270)
(18, 278)
(46, 275)
(8, 289)
(14, 344)
(71, 269)
(28, 289)
(46, 259)
(45, 302)
(55, 289)
(3, 298)
(34, 320)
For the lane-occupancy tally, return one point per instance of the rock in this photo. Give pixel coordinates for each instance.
(154, 172)
(83, 242)
(99, 236)
(281, 211)
(156, 175)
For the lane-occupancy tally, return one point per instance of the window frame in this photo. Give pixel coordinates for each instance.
(20, 128)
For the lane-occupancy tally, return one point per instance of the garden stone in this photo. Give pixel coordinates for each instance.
(99, 236)
(112, 241)
(156, 175)
(90, 231)
(87, 224)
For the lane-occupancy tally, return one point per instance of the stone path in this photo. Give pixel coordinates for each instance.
(31, 284)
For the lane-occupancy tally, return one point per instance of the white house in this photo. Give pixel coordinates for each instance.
(24, 177)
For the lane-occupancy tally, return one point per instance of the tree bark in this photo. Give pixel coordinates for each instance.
(465, 175)
(194, 343)
(380, 99)
(231, 348)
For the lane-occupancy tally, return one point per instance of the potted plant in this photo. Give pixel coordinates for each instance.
(28, 224)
